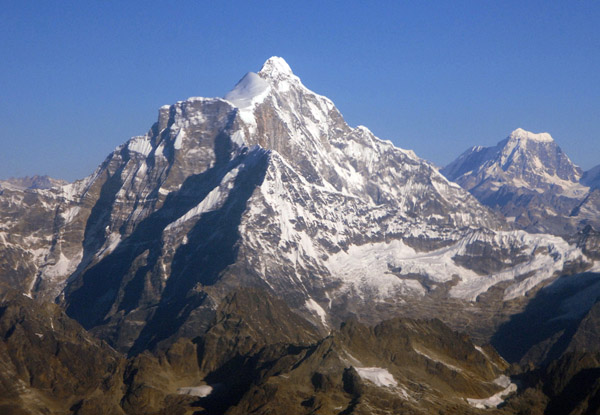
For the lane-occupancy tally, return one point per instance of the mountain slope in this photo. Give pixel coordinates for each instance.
(564, 314)
(526, 177)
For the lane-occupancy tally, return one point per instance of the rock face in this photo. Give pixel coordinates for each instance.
(588, 211)
(568, 386)
(398, 366)
(41, 234)
(268, 188)
(530, 180)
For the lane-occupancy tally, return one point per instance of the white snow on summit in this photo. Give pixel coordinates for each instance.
(276, 67)
(522, 134)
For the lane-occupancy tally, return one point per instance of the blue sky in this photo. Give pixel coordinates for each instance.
(79, 78)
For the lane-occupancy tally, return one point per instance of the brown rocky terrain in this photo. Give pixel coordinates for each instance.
(49, 364)
(248, 361)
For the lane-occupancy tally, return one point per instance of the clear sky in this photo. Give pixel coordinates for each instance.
(79, 78)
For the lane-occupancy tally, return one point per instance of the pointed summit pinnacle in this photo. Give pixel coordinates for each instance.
(276, 67)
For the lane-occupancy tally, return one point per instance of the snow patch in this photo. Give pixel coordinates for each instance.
(503, 381)
(377, 375)
(62, 267)
(70, 213)
(369, 266)
(276, 65)
(366, 268)
(211, 202)
(433, 359)
(140, 145)
(238, 138)
(199, 391)
(480, 350)
(548, 255)
(179, 139)
(112, 241)
(314, 307)
(496, 399)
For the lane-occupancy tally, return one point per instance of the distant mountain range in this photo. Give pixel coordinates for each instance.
(34, 182)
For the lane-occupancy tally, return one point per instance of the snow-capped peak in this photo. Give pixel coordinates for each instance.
(521, 134)
(276, 67)
(276, 71)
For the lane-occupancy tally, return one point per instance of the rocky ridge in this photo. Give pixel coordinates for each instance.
(245, 362)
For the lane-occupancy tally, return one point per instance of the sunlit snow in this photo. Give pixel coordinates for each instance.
(313, 306)
(249, 92)
(498, 398)
(522, 134)
(377, 375)
(199, 391)
(140, 145)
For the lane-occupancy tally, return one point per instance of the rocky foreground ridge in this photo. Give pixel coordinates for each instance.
(257, 356)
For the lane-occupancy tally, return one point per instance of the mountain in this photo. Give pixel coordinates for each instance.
(256, 254)
(399, 366)
(257, 356)
(588, 211)
(268, 188)
(527, 178)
